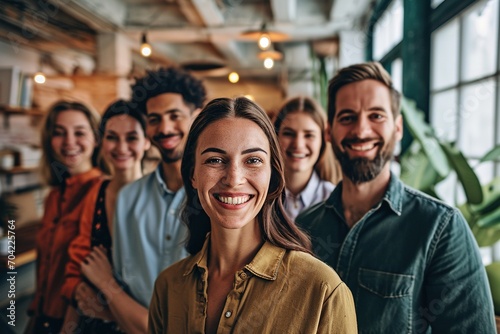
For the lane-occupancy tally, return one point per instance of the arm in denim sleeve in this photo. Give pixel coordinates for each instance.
(457, 295)
(118, 234)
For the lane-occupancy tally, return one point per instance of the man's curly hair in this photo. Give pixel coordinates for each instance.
(168, 80)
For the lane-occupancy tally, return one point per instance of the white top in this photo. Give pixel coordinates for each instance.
(316, 191)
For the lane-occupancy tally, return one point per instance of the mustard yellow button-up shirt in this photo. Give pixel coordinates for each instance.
(280, 291)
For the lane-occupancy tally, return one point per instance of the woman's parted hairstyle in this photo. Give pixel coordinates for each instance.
(119, 108)
(276, 227)
(52, 171)
(326, 166)
(359, 72)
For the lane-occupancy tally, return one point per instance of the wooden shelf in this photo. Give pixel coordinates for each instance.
(18, 170)
(21, 111)
(25, 245)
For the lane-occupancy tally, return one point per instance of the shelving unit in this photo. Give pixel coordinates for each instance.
(14, 111)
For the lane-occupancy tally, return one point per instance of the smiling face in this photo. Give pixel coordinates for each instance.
(232, 172)
(73, 141)
(124, 142)
(364, 131)
(169, 119)
(300, 140)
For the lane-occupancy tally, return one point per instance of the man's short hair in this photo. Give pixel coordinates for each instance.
(359, 72)
(168, 80)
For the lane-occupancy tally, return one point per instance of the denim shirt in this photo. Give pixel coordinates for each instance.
(148, 235)
(411, 262)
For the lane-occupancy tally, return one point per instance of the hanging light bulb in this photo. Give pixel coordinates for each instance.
(145, 47)
(233, 77)
(264, 41)
(39, 77)
(268, 63)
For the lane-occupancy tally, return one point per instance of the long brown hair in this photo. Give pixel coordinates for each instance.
(51, 170)
(276, 227)
(327, 166)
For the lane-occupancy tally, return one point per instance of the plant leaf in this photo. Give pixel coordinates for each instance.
(465, 173)
(423, 133)
(492, 155)
(417, 171)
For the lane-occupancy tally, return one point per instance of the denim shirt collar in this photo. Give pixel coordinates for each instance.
(393, 197)
(265, 264)
(162, 186)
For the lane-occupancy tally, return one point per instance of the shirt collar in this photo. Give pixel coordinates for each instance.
(158, 175)
(83, 177)
(265, 264)
(309, 191)
(393, 196)
(308, 194)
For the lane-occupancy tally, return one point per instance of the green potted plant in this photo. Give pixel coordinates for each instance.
(429, 160)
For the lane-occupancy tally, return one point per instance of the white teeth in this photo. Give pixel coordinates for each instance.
(365, 147)
(233, 200)
(297, 155)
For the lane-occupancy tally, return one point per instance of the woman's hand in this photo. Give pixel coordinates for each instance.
(91, 303)
(97, 269)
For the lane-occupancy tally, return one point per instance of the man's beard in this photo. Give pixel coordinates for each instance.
(360, 170)
(170, 156)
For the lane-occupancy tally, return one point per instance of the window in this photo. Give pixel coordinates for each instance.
(388, 31)
(465, 77)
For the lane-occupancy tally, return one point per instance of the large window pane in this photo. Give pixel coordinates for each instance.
(444, 114)
(484, 171)
(388, 31)
(397, 74)
(477, 118)
(444, 55)
(479, 47)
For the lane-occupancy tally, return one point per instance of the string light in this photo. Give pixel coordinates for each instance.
(39, 77)
(145, 47)
(268, 63)
(264, 41)
(233, 77)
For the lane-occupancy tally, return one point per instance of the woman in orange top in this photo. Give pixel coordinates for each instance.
(123, 145)
(69, 140)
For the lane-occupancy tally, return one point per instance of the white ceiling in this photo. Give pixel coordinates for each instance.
(186, 31)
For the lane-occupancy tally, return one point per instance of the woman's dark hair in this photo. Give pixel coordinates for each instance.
(119, 108)
(122, 107)
(53, 173)
(276, 227)
(168, 80)
(326, 166)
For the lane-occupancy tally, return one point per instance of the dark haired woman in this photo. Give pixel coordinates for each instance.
(250, 269)
(123, 145)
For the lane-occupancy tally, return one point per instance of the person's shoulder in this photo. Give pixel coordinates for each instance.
(134, 188)
(426, 201)
(176, 271)
(313, 212)
(306, 265)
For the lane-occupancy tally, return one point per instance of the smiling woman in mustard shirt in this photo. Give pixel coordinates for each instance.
(251, 269)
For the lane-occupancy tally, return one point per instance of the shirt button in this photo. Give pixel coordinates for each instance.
(228, 314)
(171, 212)
(168, 237)
(46, 324)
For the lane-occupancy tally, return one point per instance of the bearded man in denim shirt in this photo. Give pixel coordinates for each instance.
(410, 260)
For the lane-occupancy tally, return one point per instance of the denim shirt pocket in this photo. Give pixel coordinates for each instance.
(384, 301)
